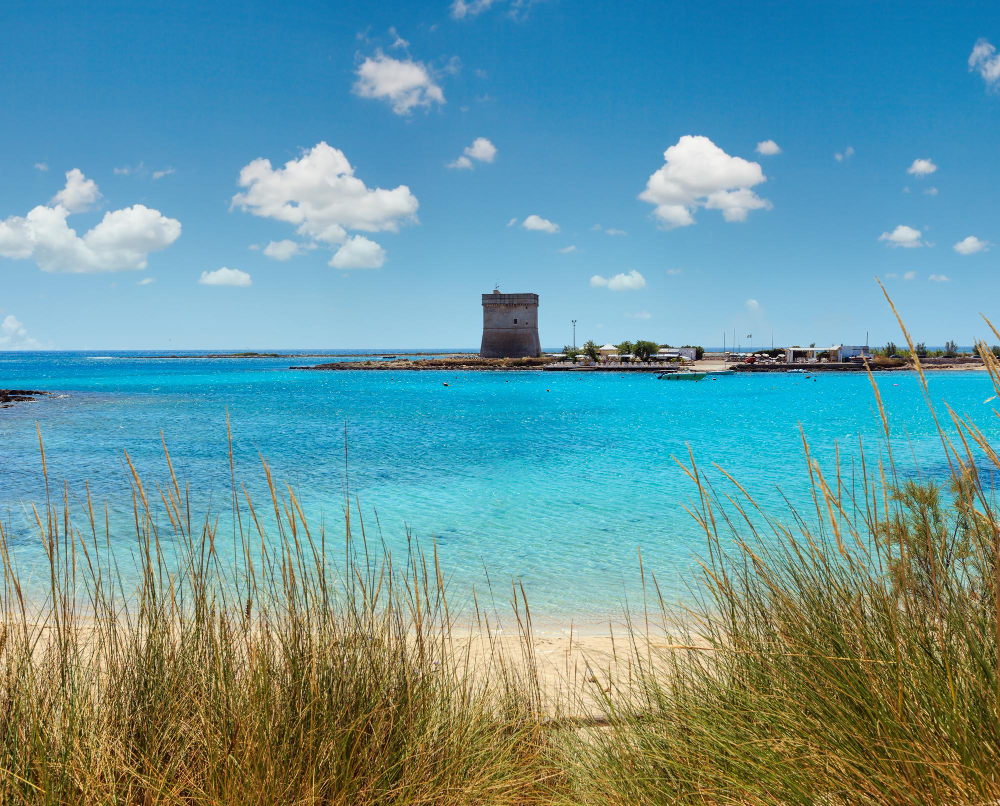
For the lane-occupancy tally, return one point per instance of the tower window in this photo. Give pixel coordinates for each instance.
(515, 321)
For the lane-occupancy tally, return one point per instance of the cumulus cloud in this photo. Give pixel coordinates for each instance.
(14, 336)
(122, 240)
(985, 61)
(910, 275)
(939, 278)
(481, 150)
(146, 281)
(566, 250)
(359, 253)
(697, 173)
(639, 315)
(225, 276)
(674, 272)
(80, 193)
(931, 192)
(163, 173)
(631, 281)
(752, 305)
(403, 83)
(612, 231)
(320, 195)
(971, 245)
(921, 168)
(768, 148)
(846, 154)
(904, 236)
(538, 224)
(282, 250)
(41, 166)
(512, 222)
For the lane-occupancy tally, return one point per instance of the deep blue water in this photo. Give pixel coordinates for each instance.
(551, 478)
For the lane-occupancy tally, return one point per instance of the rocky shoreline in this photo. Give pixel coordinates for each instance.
(8, 397)
(463, 363)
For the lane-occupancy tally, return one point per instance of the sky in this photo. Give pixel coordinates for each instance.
(305, 174)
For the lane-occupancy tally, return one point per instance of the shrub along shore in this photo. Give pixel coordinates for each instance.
(844, 654)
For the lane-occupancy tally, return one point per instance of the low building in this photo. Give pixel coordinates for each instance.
(670, 353)
(836, 354)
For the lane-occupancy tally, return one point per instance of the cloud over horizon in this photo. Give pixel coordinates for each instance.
(320, 195)
(121, 241)
(697, 173)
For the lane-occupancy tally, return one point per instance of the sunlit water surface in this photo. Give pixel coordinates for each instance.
(552, 479)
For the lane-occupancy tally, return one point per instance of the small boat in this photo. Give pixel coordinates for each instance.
(681, 376)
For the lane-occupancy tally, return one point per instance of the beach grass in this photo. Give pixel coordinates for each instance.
(845, 653)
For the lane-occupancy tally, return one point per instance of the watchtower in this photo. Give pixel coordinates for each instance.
(510, 326)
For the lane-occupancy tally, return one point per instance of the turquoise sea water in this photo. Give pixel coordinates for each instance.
(554, 479)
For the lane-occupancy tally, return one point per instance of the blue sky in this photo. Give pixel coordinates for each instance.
(158, 111)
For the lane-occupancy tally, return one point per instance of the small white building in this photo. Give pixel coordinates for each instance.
(836, 354)
(608, 350)
(668, 353)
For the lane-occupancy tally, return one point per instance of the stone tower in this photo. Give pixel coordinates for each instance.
(510, 326)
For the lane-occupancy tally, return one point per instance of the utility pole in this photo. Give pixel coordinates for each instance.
(574, 334)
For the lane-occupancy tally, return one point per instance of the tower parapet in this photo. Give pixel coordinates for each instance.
(510, 326)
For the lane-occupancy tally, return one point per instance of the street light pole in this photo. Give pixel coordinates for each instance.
(574, 334)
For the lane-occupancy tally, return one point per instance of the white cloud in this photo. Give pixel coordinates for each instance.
(122, 240)
(320, 195)
(639, 315)
(163, 173)
(481, 150)
(768, 148)
(846, 155)
(14, 336)
(921, 168)
(358, 253)
(566, 250)
(985, 61)
(539, 224)
(404, 84)
(939, 278)
(398, 41)
(613, 231)
(697, 173)
(460, 9)
(41, 166)
(910, 275)
(752, 305)
(79, 194)
(595, 228)
(971, 245)
(904, 236)
(931, 192)
(674, 272)
(146, 281)
(512, 222)
(632, 281)
(225, 276)
(282, 250)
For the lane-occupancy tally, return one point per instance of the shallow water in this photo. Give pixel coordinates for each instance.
(555, 479)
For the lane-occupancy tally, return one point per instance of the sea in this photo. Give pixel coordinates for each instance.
(551, 481)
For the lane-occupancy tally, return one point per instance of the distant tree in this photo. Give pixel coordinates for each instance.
(950, 349)
(891, 349)
(571, 352)
(812, 344)
(644, 349)
(921, 349)
(591, 350)
(625, 348)
(995, 349)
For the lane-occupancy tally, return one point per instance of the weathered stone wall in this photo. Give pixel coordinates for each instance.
(510, 326)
